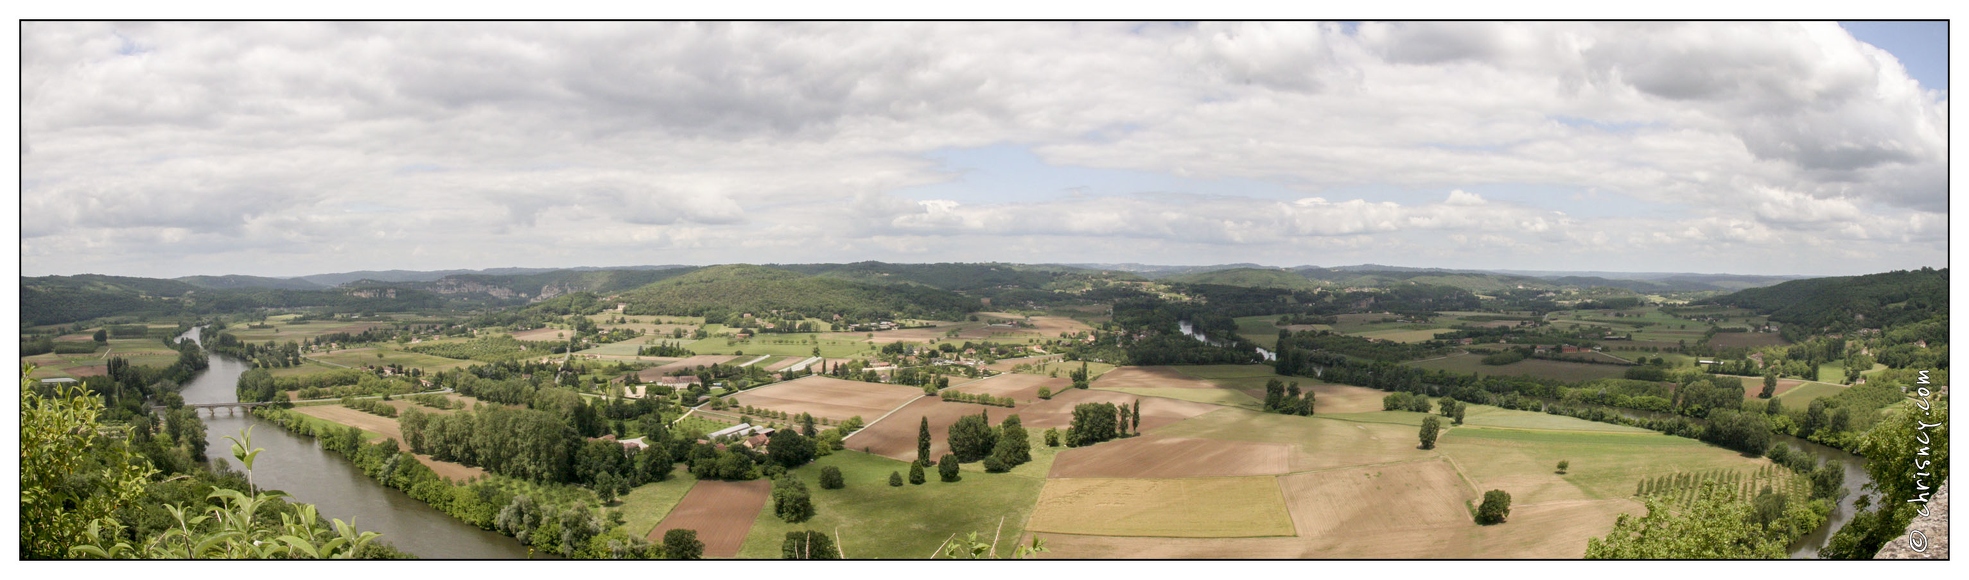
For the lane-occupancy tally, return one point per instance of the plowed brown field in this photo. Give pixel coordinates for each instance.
(1150, 377)
(831, 398)
(1156, 456)
(721, 511)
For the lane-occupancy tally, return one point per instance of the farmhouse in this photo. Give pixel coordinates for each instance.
(680, 381)
(729, 431)
(58, 381)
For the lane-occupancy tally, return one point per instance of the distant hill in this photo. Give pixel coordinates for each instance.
(60, 299)
(1154, 272)
(239, 281)
(341, 278)
(530, 287)
(946, 276)
(64, 299)
(1848, 302)
(737, 289)
(1247, 277)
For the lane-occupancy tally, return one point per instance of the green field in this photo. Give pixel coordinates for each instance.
(783, 345)
(1603, 465)
(1488, 416)
(1801, 396)
(878, 521)
(149, 352)
(645, 506)
(367, 356)
(1566, 371)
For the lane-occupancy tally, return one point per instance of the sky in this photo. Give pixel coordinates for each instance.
(286, 149)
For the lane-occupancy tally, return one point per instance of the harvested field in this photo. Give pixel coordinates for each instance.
(1149, 377)
(1550, 530)
(1219, 397)
(831, 398)
(1332, 398)
(384, 426)
(649, 375)
(1336, 505)
(895, 437)
(721, 512)
(1156, 412)
(1316, 442)
(1205, 507)
(1154, 456)
(1022, 387)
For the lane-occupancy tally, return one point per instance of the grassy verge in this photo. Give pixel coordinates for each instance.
(878, 521)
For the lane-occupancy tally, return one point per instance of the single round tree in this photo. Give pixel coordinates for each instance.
(830, 478)
(916, 474)
(681, 544)
(1563, 464)
(895, 479)
(947, 468)
(1430, 427)
(1052, 437)
(791, 501)
(1496, 507)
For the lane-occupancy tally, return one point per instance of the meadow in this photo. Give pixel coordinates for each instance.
(1562, 370)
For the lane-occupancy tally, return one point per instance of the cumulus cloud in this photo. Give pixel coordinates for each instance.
(291, 148)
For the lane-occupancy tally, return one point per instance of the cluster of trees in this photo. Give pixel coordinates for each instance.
(1079, 376)
(972, 438)
(267, 355)
(439, 402)
(665, 348)
(1405, 402)
(979, 398)
(1286, 398)
(371, 406)
(1096, 422)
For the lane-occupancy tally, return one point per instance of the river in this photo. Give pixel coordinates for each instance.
(310, 474)
(1190, 331)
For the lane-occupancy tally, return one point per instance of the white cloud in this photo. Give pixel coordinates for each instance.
(243, 146)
